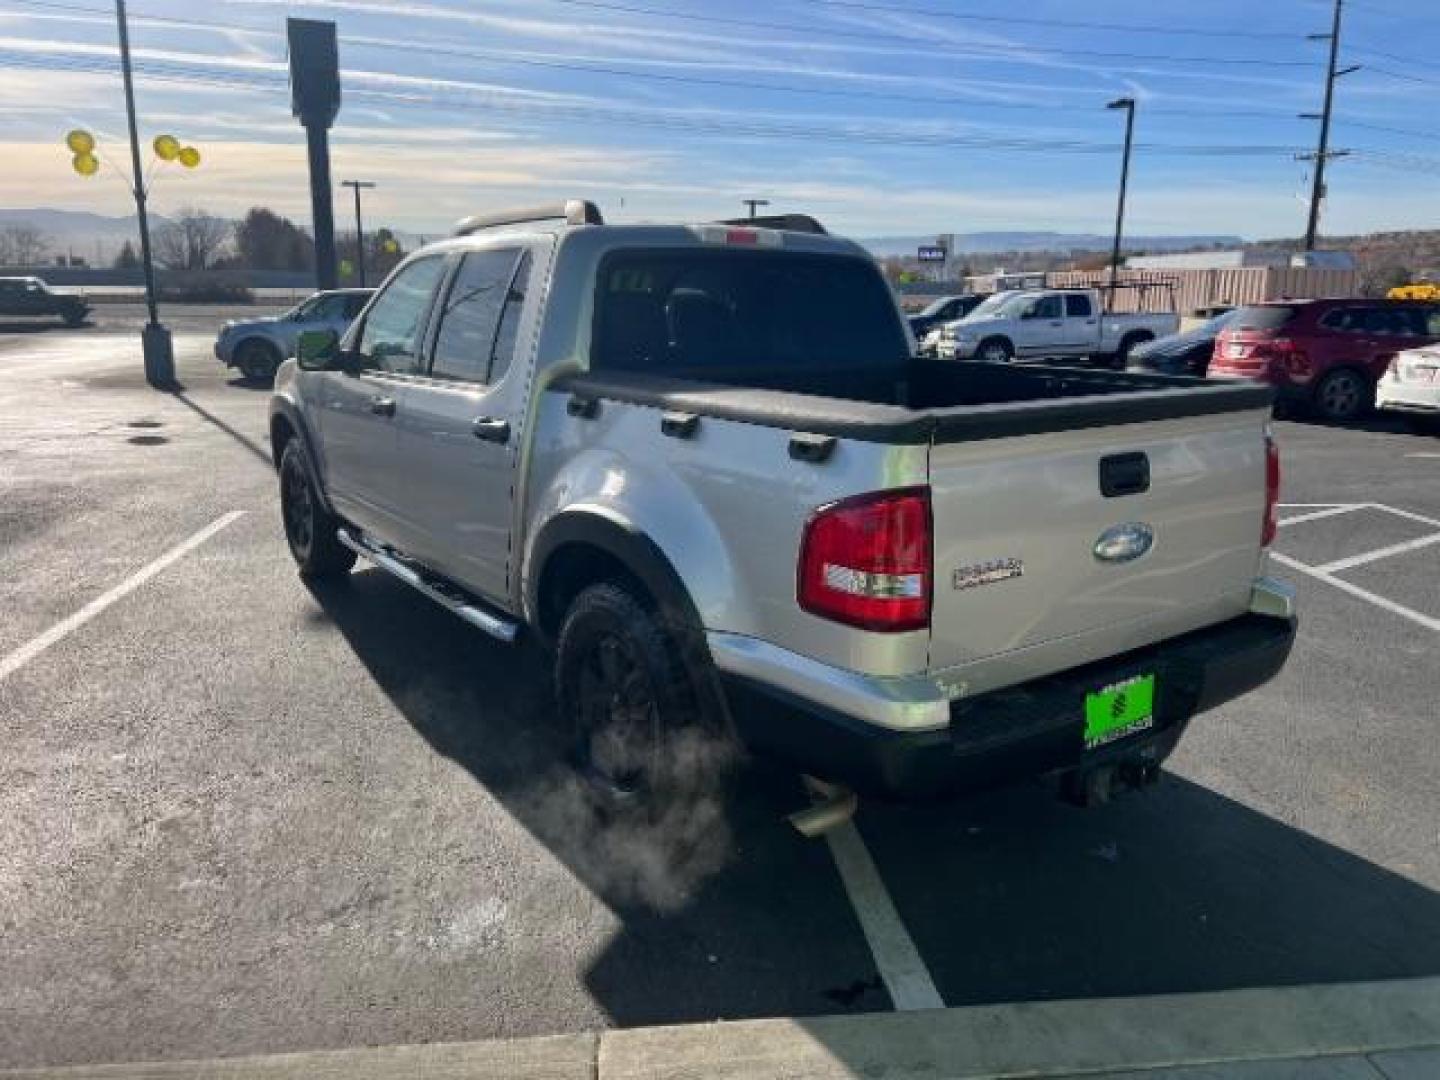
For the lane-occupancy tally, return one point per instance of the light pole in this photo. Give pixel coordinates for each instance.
(753, 203)
(356, 185)
(155, 343)
(1128, 104)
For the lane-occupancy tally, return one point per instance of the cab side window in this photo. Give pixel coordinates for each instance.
(390, 338)
(1077, 306)
(1047, 307)
(478, 319)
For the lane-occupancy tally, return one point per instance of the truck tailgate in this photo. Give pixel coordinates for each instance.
(1017, 522)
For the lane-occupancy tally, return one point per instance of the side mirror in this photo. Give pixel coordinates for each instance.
(1030, 313)
(318, 350)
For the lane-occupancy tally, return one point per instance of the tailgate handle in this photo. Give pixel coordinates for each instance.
(1124, 474)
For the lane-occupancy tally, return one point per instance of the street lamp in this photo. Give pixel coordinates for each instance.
(356, 185)
(154, 338)
(1128, 104)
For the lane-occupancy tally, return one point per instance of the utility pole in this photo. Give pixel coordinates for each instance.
(155, 341)
(1323, 153)
(1128, 104)
(356, 185)
(753, 203)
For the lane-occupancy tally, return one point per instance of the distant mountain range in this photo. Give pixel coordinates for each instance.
(981, 243)
(84, 230)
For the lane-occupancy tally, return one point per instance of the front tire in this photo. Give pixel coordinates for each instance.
(310, 530)
(257, 360)
(1343, 395)
(995, 351)
(641, 736)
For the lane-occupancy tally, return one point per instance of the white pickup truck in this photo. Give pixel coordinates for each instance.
(702, 464)
(1062, 323)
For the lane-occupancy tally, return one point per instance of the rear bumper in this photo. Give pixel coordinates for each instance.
(1020, 732)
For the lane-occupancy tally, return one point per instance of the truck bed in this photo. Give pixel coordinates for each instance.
(925, 401)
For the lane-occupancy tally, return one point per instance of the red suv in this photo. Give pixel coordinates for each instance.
(1325, 354)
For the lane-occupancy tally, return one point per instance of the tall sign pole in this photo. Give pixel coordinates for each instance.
(154, 339)
(315, 100)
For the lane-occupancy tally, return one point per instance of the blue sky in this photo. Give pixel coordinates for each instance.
(916, 116)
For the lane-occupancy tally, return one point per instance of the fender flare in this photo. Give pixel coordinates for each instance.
(284, 408)
(630, 547)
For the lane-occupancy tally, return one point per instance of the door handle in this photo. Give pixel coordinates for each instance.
(491, 429)
(1058, 322)
(382, 406)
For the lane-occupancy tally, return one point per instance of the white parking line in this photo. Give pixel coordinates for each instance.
(1316, 515)
(17, 659)
(1355, 590)
(896, 958)
(1380, 553)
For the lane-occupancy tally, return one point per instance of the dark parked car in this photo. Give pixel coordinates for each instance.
(31, 298)
(1185, 353)
(1326, 355)
(946, 309)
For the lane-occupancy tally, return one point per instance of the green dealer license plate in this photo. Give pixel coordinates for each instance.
(1120, 709)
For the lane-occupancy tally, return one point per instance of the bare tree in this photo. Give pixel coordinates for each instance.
(22, 244)
(192, 240)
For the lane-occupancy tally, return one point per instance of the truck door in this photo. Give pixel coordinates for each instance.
(1082, 325)
(1042, 326)
(360, 411)
(461, 434)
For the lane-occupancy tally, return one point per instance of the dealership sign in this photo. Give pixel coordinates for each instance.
(933, 253)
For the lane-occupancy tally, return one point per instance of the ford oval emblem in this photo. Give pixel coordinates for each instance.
(1124, 543)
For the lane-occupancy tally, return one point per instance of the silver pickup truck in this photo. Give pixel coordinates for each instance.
(701, 464)
(1054, 323)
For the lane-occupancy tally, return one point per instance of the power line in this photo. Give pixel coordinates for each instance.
(640, 9)
(1400, 75)
(690, 124)
(612, 70)
(980, 52)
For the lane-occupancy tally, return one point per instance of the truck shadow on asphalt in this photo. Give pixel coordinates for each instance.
(1009, 896)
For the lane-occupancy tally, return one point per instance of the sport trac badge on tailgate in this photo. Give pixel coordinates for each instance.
(987, 573)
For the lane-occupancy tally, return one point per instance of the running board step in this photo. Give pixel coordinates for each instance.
(448, 596)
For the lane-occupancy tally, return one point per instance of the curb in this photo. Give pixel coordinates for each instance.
(1047, 1039)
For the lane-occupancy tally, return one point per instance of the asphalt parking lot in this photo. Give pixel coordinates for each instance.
(239, 815)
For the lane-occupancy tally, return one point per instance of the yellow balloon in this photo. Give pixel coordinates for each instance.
(85, 164)
(189, 157)
(390, 247)
(167, 147)
(346, 268)
(80, 141)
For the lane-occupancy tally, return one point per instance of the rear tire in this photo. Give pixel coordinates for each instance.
(74, 319)
(257, 360)
(641, 737)
(995, 351)
(1343, 395)
(310, 530)
(1121, 360)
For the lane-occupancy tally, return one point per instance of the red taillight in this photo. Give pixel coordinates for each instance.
(741, 236)
(866, 561)
(1272, 493)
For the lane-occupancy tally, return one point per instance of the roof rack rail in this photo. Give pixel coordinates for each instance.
(786, 222)
(572, 212)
